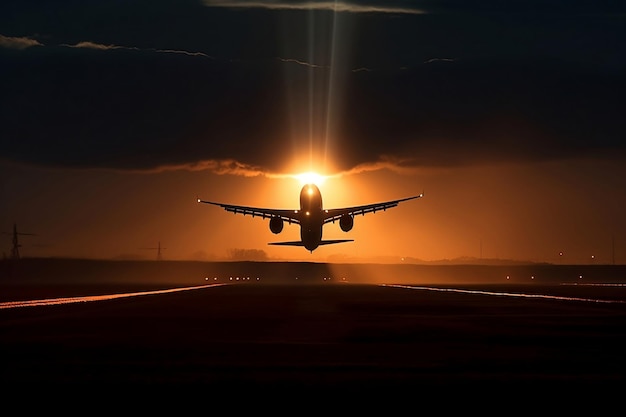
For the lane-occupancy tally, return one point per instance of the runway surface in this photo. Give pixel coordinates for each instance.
(354, 338)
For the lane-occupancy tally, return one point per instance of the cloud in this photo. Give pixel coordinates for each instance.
(18, 42)
(103, 47)
(582, 8)
(399, 165)
(303, 63)
(404, 67)
(97, 46)
(349, 7)
(177, 51)
(393, 100)
(435, 60)
(149, 114)
(219, 167)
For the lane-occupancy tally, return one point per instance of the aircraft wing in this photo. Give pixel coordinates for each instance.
(332, 215)
(290, 216)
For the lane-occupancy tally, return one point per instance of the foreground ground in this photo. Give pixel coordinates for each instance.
(349, 337)
(317, 337)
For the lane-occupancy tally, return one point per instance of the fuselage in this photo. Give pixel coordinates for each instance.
(311, 216)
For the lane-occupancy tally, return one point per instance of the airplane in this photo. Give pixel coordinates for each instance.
(311, 216)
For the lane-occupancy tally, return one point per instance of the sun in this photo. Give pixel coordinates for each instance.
(310, 178)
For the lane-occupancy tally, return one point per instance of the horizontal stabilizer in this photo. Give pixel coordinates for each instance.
(294, 243)
(330, 242)
(299, 243)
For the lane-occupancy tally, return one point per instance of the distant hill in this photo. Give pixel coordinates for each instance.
(465, 260)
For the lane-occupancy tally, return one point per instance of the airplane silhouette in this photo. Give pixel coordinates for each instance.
(311, 216)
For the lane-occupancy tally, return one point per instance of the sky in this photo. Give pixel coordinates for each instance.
(116, 116)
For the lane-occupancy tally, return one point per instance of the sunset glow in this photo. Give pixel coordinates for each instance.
(311, 178)
(368, 106)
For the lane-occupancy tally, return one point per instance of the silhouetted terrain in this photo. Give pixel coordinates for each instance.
(86, 272)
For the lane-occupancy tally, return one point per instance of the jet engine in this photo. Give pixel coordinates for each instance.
(276, 225)
(346, 222)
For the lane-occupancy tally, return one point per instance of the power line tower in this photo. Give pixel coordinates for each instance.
(15, 250)
(158, 249)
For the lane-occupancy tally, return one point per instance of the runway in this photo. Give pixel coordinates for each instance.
(91, 298)
(355, 338)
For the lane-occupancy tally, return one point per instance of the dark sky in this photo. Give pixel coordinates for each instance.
(256, 87)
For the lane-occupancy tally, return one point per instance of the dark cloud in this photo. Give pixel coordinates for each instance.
(481, 111)
(307, 5)
(428, 6)
(245, 90)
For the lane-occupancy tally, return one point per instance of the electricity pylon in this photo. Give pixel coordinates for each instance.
(15, 250)
(158, 249)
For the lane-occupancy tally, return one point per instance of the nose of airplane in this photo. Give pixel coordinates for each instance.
(310, 190)
(310, 198)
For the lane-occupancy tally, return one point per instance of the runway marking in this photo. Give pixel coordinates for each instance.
(508, 294)
(90, 298)
(576, 284)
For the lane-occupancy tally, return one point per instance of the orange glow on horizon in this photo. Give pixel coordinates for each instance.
(470, 212)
